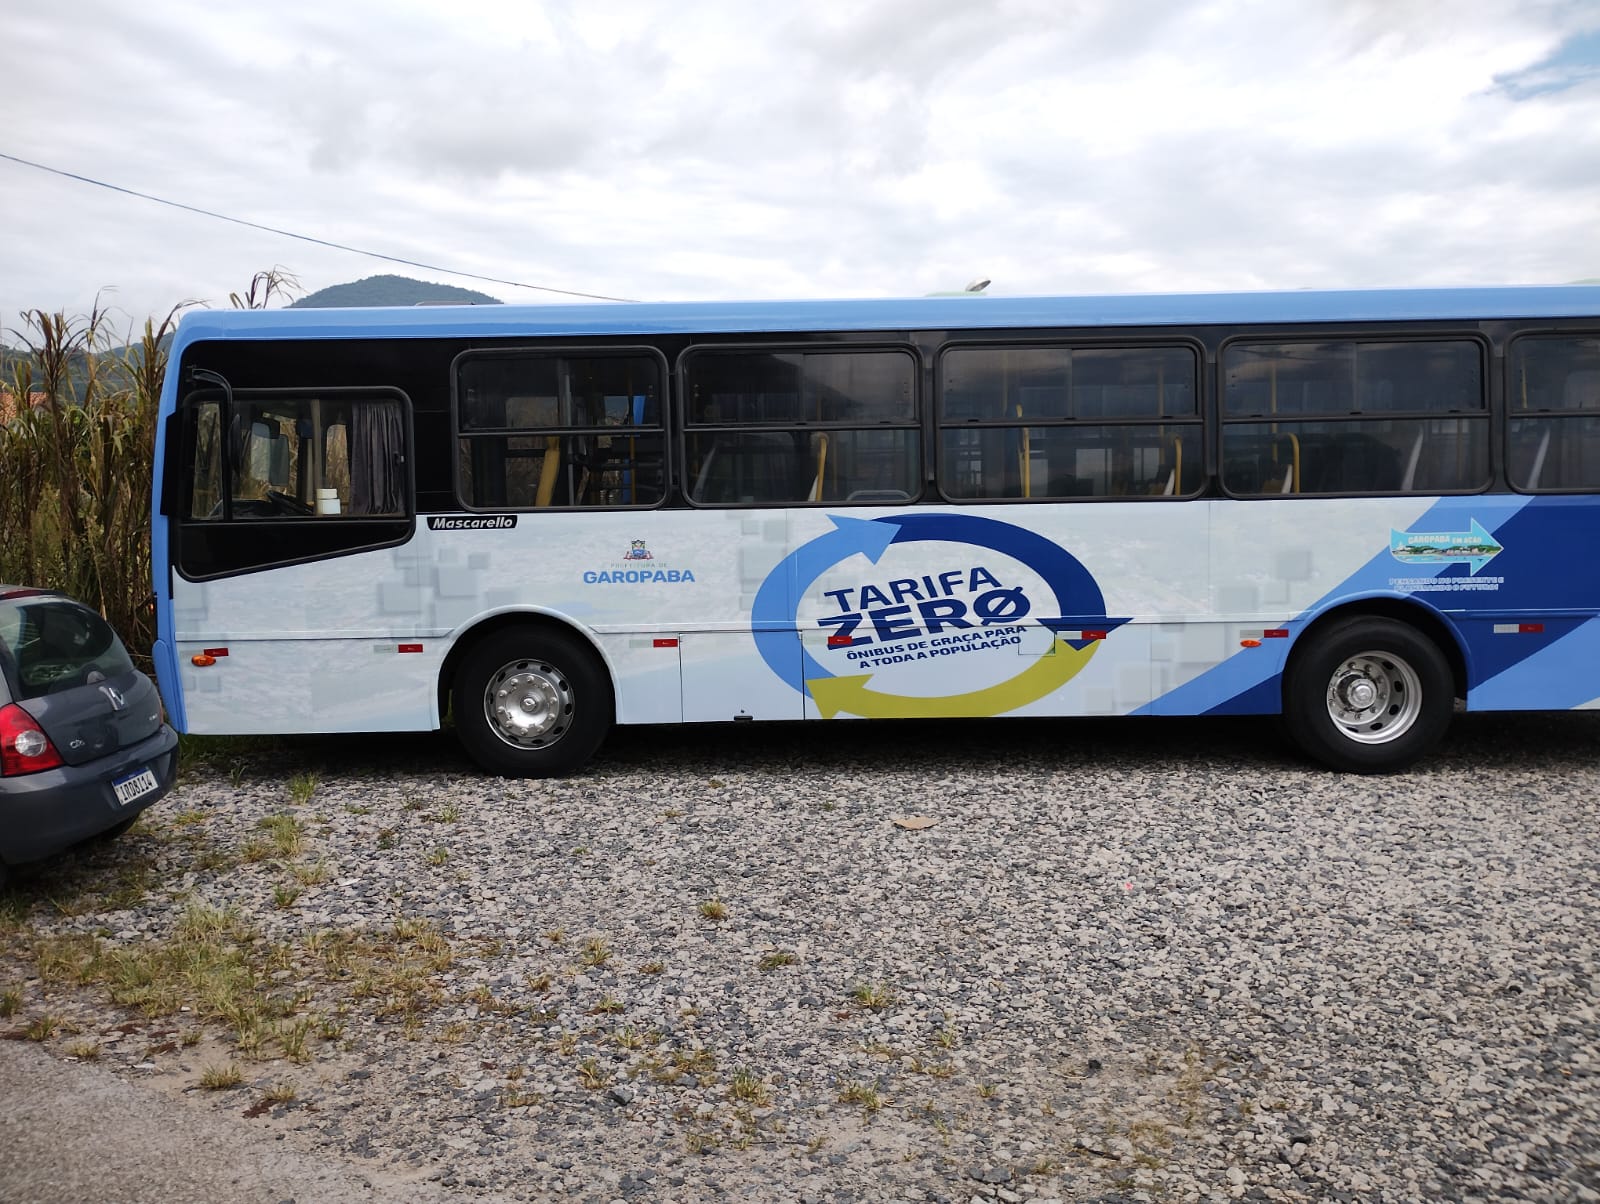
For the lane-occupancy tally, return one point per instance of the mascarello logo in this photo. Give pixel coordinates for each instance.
(471, 522)
(931, 624)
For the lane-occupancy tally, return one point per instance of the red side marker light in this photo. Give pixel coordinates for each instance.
(839, 641)
(410, 647)
(1094, 635)
(216, 651)
(1530, 628)
(666, 643)
(1275, 633)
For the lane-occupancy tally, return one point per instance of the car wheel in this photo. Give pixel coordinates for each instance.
(531, 702)
(1368, 695)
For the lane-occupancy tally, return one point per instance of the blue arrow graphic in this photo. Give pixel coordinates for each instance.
(772, 613)
(1475, 547)
(1079, 601)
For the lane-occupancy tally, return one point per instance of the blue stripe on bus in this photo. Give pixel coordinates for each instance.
(1545, 680)
(1250, 676)
(1176, 311)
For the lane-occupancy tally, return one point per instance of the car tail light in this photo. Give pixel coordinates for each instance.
(24, 748)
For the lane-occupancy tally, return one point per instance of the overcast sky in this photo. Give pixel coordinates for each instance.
(869, 148)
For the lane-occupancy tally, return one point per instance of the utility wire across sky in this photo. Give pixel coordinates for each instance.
(321, 242)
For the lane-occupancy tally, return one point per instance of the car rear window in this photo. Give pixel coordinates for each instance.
(51, 644)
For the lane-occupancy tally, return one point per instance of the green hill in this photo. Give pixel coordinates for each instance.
(391, 290)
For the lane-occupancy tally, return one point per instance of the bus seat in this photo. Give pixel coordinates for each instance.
(1538, 459)
(1408, 483)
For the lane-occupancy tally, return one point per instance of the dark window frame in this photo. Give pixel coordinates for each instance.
(1484, 413)
(1510, 414)
(916, 424)
(1198, 420)
(402, 525)
(662, 429)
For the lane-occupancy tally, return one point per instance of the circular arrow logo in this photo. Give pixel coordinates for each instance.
(1080, 607)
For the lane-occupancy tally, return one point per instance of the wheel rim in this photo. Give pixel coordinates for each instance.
(1374, 697)
(529, 704)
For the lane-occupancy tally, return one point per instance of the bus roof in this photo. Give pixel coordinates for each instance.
(916, 313)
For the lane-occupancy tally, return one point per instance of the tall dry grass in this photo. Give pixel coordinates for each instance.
(75, 469)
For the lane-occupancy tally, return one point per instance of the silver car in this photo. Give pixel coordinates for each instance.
(83, 745)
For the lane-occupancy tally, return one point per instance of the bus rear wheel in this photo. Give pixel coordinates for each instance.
(1369, 695)
(531, 703)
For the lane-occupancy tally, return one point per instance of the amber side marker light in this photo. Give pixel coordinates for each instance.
(1249, 643)
(203, 660)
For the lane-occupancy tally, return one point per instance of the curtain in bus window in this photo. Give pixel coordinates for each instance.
(377, 459)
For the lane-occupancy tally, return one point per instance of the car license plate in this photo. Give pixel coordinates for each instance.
(134, 786)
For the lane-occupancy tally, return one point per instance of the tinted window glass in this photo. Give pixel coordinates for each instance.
(1293, 379)
(765, 467)
(1000, 384)
(1080, 460)
(528, 391)
(48, 645)
(302, 456)
(791, 388)
(1553, 406)
(1069, 422)
(548, 429)
(535, 471)
(1367, 456)
(312, 473)
(851, 427)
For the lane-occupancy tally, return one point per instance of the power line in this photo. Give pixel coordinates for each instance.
(321, 242)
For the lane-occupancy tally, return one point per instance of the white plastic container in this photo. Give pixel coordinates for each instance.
(327, 501)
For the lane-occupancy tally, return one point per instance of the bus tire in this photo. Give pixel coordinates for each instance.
(1368, 695)
(531, 703)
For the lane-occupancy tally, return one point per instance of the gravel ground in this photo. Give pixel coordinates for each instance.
(1153, 960)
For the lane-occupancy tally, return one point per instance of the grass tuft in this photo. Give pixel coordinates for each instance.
(220, 1078)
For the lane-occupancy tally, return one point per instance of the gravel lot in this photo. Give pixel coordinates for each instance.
(1127, 961)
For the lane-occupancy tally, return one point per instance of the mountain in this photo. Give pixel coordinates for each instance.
(391, 290)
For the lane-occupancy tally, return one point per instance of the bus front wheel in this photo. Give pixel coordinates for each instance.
(1369, 695)
(531, 703)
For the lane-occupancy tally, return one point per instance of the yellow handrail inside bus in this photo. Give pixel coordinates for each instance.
(549, 470)
(1177, 468)
(822, 463)
(1294, 462)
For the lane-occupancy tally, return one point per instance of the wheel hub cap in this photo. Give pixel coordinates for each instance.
(528, 704)
(1375, 697)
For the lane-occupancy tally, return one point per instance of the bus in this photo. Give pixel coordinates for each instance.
(1347, 509)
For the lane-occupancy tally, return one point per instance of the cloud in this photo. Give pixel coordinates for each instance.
(878, 147)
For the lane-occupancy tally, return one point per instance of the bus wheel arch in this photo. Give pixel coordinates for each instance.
(1371, 687)
(531, 696)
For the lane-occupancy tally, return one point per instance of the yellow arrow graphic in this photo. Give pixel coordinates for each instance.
(1048, 672)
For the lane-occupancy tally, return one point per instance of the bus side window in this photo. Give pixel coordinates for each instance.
(791, 426)
(544, 430)
(1553, 414)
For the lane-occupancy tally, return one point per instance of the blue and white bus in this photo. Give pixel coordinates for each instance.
(1348, 508)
